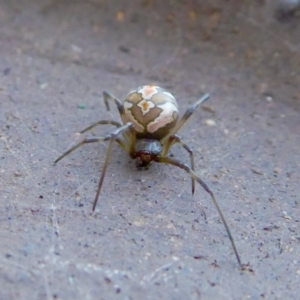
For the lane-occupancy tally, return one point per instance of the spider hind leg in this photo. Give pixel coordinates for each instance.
(177, 163)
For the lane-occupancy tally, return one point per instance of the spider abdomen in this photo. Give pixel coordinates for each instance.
(152, 110)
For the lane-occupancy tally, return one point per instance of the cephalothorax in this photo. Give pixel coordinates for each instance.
(150, 123)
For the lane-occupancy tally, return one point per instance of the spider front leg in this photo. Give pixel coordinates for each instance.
(177, 163)
(87, 141)
(101, 122)
(109, 97)
(114, 138)
(173, 139)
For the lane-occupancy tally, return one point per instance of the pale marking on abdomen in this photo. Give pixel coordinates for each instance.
(145, 106)
(164, 118)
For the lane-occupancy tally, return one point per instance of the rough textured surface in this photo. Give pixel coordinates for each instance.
(149, 238)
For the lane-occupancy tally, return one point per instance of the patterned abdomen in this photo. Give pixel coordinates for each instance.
(152, 110)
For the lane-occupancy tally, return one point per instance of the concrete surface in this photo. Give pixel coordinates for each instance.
(149, 237)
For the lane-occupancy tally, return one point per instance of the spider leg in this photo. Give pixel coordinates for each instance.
(87, 141)
(113, 137)
(174, 162)
(186, 116)
(173, 139)
(107, 96)
(101, 122)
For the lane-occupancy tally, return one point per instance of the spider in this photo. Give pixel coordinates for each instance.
(150, 123)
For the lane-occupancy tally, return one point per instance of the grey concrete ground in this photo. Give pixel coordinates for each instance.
(149, 237)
